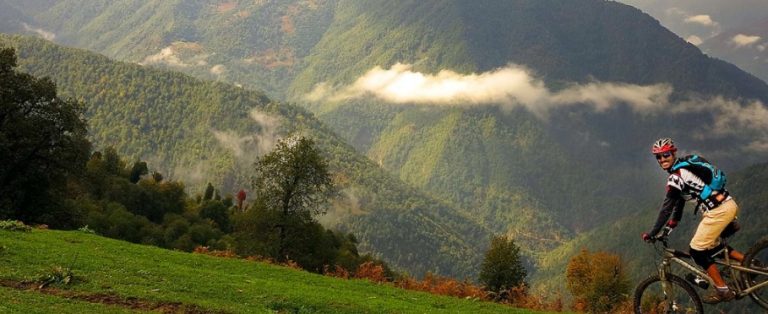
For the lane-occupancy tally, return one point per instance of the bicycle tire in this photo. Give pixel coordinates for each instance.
(757, 256)
(656, 303)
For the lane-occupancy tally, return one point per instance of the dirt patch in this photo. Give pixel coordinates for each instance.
(272, 59)
(111, 299)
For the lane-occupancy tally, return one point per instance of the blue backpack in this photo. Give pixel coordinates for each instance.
(713, 178)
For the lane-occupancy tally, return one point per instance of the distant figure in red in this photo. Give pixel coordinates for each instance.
(240, 199)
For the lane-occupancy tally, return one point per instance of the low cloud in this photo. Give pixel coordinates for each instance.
(43, 33)
(511, 86)
(514, 86)
(247, 147)
(180, 54)
(166, 55)
(742, 40)
(702, 19)
(731, 117)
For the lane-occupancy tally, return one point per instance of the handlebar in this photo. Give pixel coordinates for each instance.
(662, 237)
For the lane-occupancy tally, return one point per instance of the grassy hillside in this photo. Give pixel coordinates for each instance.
(151, 276)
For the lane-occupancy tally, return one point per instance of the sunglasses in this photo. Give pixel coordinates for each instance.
(663, 155)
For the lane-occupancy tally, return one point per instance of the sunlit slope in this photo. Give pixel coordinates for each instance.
(149, 275)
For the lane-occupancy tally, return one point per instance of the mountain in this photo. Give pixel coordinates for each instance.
(547, 139)
(257, 44)
(715, 27)
(196, 131)
(531, 177)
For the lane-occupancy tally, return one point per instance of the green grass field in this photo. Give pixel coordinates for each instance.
(115, 277)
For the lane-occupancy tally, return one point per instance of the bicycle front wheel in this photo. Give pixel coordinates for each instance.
(757, 258)
(678, 297)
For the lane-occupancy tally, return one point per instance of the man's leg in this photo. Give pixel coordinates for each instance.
(706, 242)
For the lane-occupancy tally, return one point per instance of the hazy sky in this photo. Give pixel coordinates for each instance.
(698, 20)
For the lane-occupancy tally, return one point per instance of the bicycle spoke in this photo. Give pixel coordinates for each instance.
(679, 297)
(757, 258)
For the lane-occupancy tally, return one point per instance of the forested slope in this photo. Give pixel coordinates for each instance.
(170, 119)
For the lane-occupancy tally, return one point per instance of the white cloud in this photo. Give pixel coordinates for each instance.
(509, 87)
(742, 40)
(761, 48)
(247, 147)
(695, 40)
(166, 55)
(731, 117)
(45, 34)
(514, 86)
(702, 19)
(218, 69)
(180, 54)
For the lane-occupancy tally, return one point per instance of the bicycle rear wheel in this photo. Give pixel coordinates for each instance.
(679, 298)
(757, 258)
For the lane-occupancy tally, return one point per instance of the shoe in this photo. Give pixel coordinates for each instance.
(719, 296)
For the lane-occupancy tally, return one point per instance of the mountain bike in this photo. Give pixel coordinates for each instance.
(667, 292)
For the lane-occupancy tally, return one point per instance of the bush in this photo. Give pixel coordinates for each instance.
(14, 225)
(58, 275)
(86, 230)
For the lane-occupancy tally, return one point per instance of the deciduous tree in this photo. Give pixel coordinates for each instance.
(42, 143)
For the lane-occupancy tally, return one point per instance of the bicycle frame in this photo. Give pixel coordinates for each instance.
(671, 257)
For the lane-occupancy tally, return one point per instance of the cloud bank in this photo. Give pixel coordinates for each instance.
(514, 86)
(510, 86)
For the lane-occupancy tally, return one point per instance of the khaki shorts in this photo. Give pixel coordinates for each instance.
(713, 222)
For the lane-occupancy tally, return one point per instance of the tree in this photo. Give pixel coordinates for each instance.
(208, 195)
(139, 169)
(502, 268)
(42, 144)
(597, 281)
(293, 181)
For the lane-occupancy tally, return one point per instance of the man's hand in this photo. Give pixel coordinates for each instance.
(672, 224)
(647, 237)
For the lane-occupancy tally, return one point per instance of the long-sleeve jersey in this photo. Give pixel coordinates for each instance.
(682, 185)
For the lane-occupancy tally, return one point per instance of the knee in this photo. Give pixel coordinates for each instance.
(705, 258)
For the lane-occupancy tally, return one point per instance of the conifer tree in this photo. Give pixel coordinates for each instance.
(502, 268)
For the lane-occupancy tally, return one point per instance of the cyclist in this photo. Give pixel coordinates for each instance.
(717, 212)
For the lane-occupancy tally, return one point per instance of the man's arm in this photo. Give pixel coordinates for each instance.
(673, 204)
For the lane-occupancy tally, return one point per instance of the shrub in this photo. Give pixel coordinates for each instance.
(58, 275)
(86, 230)
(14, 225)
(217, 253)
(338, 272)
(371, 271)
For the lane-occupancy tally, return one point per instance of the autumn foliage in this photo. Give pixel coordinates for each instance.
(597, 281)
